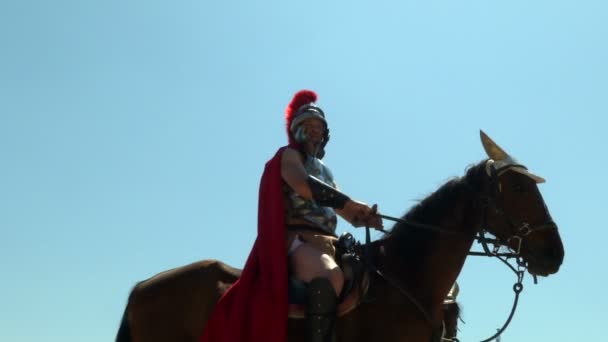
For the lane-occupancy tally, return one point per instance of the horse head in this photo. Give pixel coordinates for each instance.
(516, 213)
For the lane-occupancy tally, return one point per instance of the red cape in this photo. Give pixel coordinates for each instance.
(255, 308)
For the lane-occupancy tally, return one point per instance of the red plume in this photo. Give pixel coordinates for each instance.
(301, 98)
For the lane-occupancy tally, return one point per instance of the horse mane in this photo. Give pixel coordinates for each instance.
(438, 207)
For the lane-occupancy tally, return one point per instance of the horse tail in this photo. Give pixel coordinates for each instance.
(124, 331)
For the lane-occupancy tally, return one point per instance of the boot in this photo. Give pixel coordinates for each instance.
(321, 310)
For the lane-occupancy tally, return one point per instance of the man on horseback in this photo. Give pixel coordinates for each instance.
(311, 203)
(297, 220)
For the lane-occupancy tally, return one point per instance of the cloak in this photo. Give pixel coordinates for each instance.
(255, 307)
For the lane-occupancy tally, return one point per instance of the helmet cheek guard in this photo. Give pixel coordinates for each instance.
(299, 135)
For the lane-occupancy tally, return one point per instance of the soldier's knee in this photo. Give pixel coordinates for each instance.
(336, 277)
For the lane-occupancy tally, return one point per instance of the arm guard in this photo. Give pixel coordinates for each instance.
(325, 195)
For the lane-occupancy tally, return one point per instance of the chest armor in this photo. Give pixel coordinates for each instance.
(301, 208)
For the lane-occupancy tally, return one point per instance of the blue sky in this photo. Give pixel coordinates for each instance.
(133, 134)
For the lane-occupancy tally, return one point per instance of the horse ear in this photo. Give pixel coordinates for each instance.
(492, 149)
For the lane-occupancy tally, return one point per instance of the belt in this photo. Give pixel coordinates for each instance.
(307, 227)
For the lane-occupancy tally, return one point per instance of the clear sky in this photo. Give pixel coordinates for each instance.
(133, 135)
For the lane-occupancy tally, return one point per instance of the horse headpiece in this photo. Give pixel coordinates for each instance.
(500, 161)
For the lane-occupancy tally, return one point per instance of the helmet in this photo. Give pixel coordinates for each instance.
(303, 107)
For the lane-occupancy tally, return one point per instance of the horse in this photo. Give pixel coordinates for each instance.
(416, 262)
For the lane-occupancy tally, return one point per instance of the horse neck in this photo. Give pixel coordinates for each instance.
(427, 263)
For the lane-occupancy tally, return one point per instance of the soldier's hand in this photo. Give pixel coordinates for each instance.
(373, 219)
(362, 215)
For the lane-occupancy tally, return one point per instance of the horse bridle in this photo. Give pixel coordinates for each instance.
(519, 232)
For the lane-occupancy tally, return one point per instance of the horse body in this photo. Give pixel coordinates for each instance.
(416, 267)
(174, 305)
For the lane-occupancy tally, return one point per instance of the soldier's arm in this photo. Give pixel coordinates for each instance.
(307, 186)
(294, 173)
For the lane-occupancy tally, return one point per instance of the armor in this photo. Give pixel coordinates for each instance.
(326, 195)
(311, 211)
(321, 310)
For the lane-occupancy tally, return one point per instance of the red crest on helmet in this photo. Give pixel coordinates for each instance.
(301, 98)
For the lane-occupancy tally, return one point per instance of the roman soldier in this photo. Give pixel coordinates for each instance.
(298, 204)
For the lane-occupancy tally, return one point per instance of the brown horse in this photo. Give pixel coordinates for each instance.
(416, 266)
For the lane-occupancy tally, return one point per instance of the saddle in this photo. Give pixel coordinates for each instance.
(356, 280)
